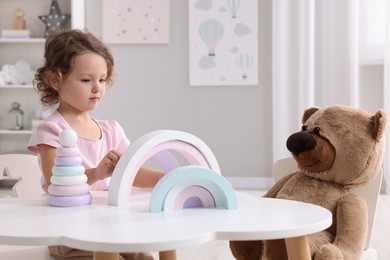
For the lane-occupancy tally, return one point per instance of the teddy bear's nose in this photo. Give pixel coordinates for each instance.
(300, 142)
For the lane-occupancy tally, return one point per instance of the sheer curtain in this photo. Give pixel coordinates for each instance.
(386, 96)
(316, 58)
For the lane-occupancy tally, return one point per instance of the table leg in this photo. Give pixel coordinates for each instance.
(167, 255)
(105, 256)
(298, 248)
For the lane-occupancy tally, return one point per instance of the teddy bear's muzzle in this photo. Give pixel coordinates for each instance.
(301, 142)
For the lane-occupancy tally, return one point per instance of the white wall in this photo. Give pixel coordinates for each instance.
(152, 92)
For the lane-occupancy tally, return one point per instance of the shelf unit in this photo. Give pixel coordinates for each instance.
(31, 40)
(31, 50)
(16, 86)
(15, 132)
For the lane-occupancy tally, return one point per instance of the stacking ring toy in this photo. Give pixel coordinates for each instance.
(69, 201)
(69, 180)
(68, 151)
(68, 170)
(68, 160)
(73, 190)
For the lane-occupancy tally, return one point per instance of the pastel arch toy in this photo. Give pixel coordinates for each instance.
(192, 186)
(191, 147)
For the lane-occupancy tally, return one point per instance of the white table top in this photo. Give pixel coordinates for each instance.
(131, 228)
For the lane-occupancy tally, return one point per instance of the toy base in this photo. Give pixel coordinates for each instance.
(69, 201)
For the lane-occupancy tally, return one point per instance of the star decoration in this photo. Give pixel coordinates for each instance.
(55, 19)
(7, 184)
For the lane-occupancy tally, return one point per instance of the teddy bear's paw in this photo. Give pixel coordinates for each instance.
(328, 252)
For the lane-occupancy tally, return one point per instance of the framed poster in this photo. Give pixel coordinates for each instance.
(137, 22)
(223, 42)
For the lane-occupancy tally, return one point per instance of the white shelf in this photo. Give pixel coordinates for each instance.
(27, 40)
(31, 50)
(15, 132)
(16, 86)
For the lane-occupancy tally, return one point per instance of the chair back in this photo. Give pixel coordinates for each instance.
(24, 167)
(369, 192)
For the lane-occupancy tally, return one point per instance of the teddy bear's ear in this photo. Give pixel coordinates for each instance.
(380, 121)
(308, 113)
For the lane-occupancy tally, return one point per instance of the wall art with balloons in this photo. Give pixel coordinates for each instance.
(223, 42)
(136, 22)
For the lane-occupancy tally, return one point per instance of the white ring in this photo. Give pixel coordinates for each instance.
(69, 180)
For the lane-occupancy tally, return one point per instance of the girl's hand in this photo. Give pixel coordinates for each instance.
(107, 165)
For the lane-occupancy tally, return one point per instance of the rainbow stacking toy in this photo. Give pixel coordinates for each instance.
(69, 186)
(197, 184)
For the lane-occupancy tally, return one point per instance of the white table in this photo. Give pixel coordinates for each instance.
(107, 230)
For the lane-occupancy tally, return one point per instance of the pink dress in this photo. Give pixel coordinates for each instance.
(91, 150)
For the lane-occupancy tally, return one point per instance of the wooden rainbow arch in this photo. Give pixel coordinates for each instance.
(193, 149)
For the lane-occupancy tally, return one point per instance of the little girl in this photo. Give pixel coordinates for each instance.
(77, 70)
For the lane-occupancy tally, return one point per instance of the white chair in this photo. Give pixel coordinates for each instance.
(25, 169)
(369, 193)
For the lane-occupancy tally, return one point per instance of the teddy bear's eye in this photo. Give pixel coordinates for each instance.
(304, 127)
(316, 130)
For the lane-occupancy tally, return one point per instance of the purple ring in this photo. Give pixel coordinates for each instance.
(69, 201)
(68, 160)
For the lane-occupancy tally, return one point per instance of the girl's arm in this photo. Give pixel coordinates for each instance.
(105, 167)
(48, 155)
(147, 178)
(102, 171)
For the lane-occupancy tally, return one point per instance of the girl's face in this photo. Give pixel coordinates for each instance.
(85, 86)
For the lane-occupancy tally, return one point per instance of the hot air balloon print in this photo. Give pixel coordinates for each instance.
(211, 32)
(233, 5)
(244, 62)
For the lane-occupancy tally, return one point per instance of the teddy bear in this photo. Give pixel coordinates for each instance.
(338, 148)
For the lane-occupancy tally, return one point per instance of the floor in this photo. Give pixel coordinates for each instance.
(219, 250)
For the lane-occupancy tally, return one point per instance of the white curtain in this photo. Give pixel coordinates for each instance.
(386, 97)
(316, 59)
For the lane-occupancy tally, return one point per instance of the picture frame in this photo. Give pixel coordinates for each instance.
(223, 42)
(136, 22)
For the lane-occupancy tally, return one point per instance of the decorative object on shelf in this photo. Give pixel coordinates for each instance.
(55, 19)
(137, 22)
(19, 22)
(223, 42)
(44, 112)
(18, 74)
(41, 113)
(19, 30)
(15, 117)
(15, 34)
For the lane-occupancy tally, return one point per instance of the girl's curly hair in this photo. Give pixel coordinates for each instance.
(61, 48)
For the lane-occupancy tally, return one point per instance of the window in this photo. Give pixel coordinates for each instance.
(372, 30)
